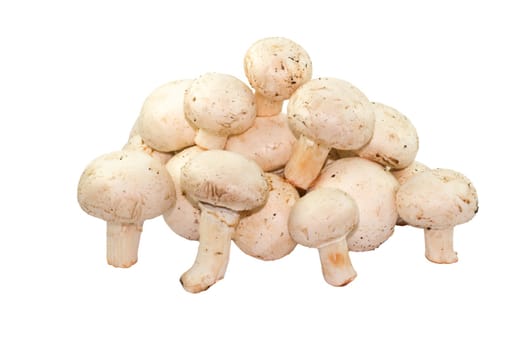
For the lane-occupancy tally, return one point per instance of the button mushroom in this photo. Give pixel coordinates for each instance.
(161, 122)
(263, 233)
(125, 188)
(136, 143)
(326, 113)
(275, 68)
(183, 217)
(373, 189)
(218, 105)
(222, 184)
(269, 142)
(437, 200)
(322, 219)
(404, 174)
(394, 142)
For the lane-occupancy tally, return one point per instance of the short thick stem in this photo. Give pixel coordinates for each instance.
(123, 244)
(208, 140)
(216, 228)
(306, 162)
(335, 262)
(439, 246)
(267, 107)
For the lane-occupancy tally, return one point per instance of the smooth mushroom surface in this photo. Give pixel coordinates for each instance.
(125, 188)
(325, 113)
(263, 233)
(161, 123)
(183, 217)
(222, 184)
(437, 201)
(404, 174)
(275, 68)
(269, 142)
(373, 188)
(394, 142)
(219, 105)
(136, 143)
(322, 219)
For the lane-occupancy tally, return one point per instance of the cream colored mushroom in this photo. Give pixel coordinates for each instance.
(326, 113)
(395, 142)
(183, 217)
(269, 142)
(161, 122)
(437, 200)
(222, 184)
(322, 219)
(136, 143)
(125, 188)
(218, 105)
(403, 175)
(263, 233)
(275, 68)
(373, 189)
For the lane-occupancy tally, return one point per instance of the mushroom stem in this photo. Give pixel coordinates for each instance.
(335, 262)
(439, 246)
(123, 244)
(209, 140)
(216, 228)
(306, 162)
(267, 107)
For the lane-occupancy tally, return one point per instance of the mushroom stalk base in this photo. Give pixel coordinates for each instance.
(267, 107)
(305, 163)
(439, 246)
(216, 228)
(335, 262)
(123, 244)
(207, 140)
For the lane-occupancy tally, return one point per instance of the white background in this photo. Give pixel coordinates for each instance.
(73, 76)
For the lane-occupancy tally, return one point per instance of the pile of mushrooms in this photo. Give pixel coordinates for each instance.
(220, 161)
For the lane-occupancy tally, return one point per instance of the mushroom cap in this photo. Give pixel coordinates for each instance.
(183, 217)
(225, 179)
(220, 104)
(276, 67)
(437, 199)
(161, 122)
(404, 174)
(394, 142)
(322, 217)
(332, 112)
(373, 188)
(125, 187)
(269, 142)
(263, 233)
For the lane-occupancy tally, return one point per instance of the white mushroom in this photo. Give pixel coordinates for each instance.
(269, 142)
(437, 200)
(125, 188)
(395, 142)
(263, 233)
(218, 105)
(161, 122)
(183, 217)
(374, 189)
(403, 175)
(275, 68)
(326, 113)
(322, 219)
(136, 143)
(223, 184)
